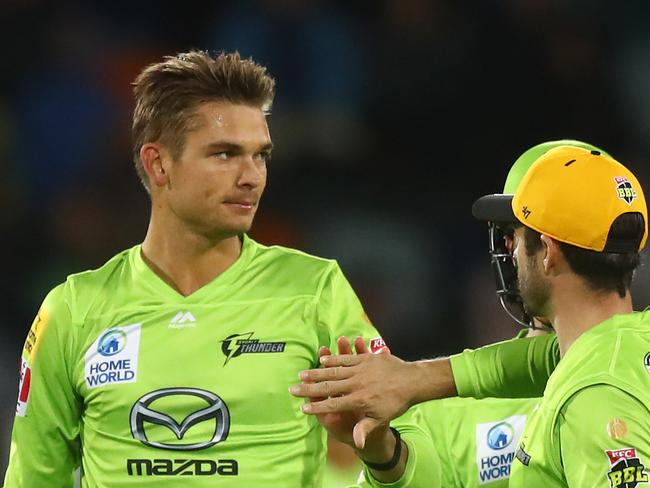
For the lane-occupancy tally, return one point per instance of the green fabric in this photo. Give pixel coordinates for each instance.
(604, 377)
(517, 368)
(83, 404)
(423, 468)
(525, 161)
(460, 428)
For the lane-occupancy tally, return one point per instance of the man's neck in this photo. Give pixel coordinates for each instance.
(577, 308)
(185, 260)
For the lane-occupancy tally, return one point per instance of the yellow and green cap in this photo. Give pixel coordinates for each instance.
(489, 207)
(574, 195)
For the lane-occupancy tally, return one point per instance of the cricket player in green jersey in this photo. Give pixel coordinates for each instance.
(477, 439)
(170, 364)
(582, 221)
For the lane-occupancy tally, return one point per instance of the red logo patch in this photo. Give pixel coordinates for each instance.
(621, 454)
(23, 390)
(377, 344)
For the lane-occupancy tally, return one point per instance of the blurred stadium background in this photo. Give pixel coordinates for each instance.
(391, 117)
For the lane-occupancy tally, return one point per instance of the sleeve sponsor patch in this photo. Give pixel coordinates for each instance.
(23, 389)
(35, 333)
(626, 468)
(377, 344)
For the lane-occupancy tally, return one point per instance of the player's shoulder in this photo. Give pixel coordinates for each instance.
(291, 260)
(615, 353)
(98, 277)
(81, 289)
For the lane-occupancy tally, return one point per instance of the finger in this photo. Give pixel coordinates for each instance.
(333, 373)
(362, 429)
(360, 345)
(324, 351)
(341, 360)
(331, 405)
(344, 345)
(322, 389)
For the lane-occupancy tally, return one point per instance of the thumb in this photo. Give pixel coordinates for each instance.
(362, 429)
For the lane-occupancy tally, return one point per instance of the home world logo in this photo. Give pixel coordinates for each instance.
(113, 357)
(496, 443)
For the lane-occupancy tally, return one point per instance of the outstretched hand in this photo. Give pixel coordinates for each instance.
(356, 395)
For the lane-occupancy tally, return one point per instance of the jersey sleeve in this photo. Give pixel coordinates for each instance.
(45, 447)
(423, 468)
(518, 368)
(340, 313)
(604, 438)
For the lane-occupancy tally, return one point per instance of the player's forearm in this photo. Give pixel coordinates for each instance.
(430, 380)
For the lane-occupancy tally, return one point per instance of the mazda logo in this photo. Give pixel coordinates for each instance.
(216, 409)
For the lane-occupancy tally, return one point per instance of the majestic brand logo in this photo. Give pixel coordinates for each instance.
(181, 467)
(238, 344)
(182, 320)
(113, 357)
(627, 470)
(216, 411)
(500, 436)
(495, 447)
(624, 189)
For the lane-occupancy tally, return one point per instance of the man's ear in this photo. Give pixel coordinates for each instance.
(552, 253)
(153, 158)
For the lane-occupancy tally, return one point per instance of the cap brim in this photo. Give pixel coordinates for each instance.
(494, 208)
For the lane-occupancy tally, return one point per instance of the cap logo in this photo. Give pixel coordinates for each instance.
(624, 189)
(526, 212)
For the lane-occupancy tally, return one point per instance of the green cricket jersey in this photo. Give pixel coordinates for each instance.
(476, 439)
(141, 386)
(592, 428)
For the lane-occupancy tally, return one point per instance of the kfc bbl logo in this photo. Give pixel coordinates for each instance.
(627, 470)
(624, 189)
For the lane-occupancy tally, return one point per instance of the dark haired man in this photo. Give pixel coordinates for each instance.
(583, 218)
(169, 365)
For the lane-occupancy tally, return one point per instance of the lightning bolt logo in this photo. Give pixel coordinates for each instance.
(232, 351)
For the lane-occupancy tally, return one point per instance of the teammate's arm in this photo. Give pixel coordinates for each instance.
(604, 440)
(517, 368)
(45, 448)
(384, 386)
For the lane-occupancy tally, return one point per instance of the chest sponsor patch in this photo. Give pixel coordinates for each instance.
(23, 389)
(113, 357)
(496, 443)
(626, 468)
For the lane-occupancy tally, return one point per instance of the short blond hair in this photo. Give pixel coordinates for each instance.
(168, 93)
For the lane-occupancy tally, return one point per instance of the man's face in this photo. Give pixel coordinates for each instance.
(534, 287)
(216, 184)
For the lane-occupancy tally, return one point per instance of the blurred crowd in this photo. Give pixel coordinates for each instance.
(391, 117)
